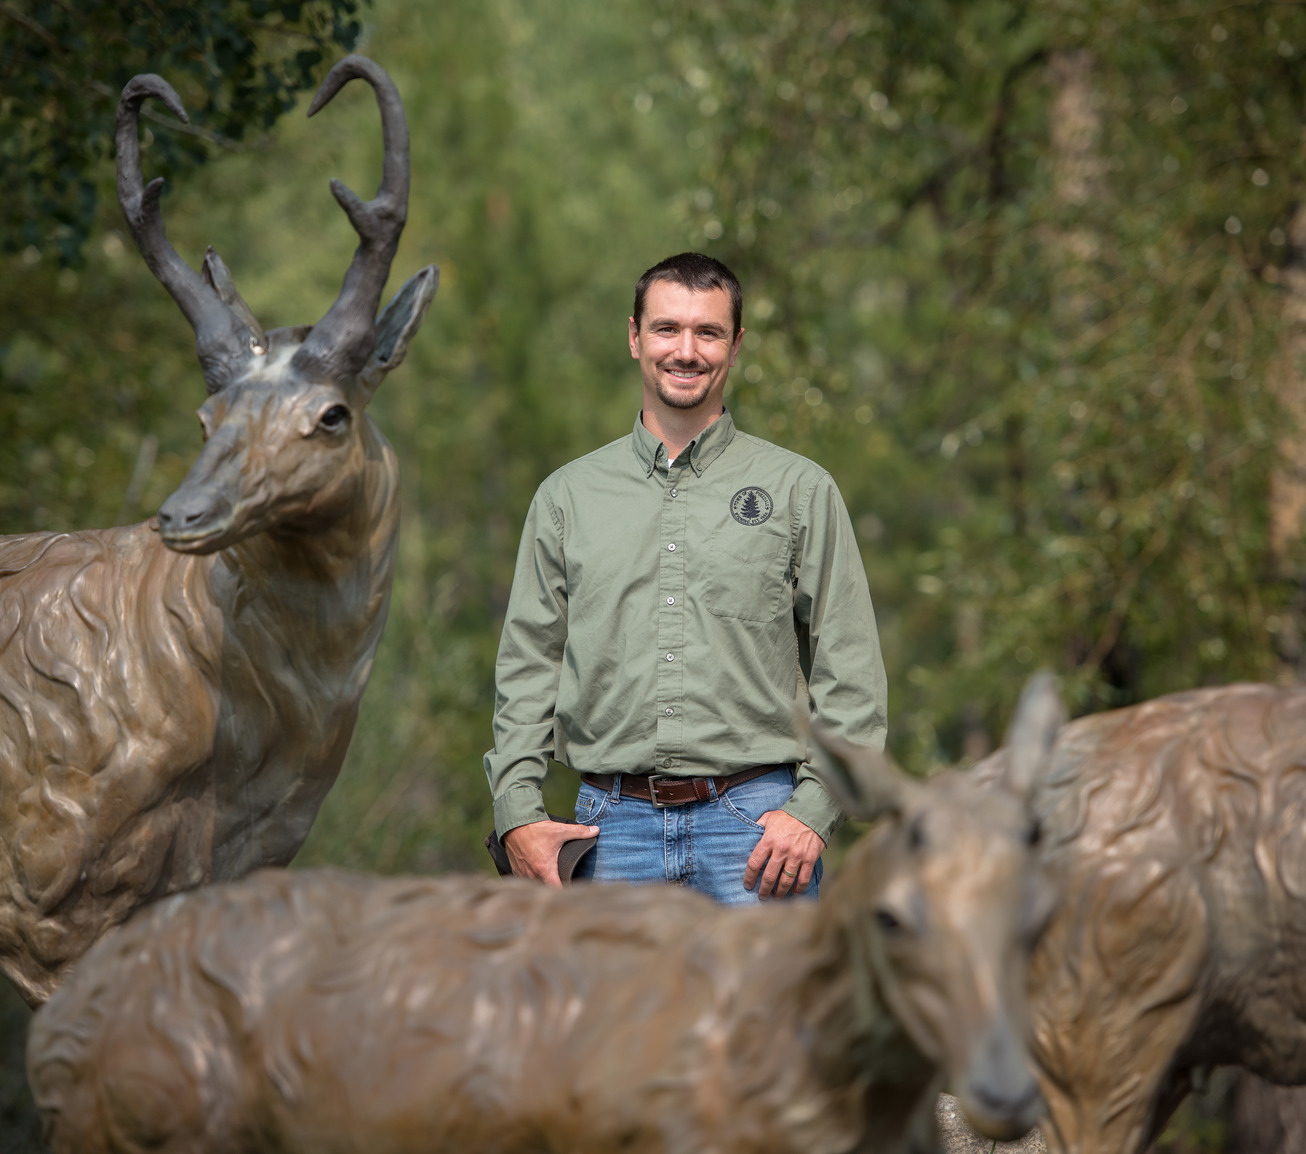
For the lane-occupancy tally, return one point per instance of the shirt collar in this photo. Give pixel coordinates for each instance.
(702, 450)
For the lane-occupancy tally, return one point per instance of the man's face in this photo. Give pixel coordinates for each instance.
(684, 345)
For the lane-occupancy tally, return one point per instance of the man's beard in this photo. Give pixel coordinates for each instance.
(680, 399)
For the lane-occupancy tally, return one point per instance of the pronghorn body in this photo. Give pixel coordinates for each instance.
(1177, 831)
(305, 1012)
(176, 697)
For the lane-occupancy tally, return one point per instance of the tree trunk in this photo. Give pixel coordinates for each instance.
(1288, 482)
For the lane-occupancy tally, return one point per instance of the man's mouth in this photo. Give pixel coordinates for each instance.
(685, 374)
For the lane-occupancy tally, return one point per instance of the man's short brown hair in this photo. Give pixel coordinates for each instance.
(694, 271)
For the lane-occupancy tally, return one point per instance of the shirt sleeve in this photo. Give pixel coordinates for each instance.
(838, 645)
(527, 670)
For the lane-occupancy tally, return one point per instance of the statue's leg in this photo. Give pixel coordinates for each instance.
(1115, 992)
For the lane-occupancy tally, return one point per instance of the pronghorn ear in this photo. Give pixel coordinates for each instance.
(1038, 719)
(218, 277)
(864, 781)
(397, 324)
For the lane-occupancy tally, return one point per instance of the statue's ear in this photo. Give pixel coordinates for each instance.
(218, 277)
(864, 781)
(395, 327)
(1032, 736)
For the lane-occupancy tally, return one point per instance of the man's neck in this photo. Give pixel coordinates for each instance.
(676, 428)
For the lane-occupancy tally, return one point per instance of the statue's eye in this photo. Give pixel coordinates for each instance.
(334, 418)
(916, 837)
(1033, 834)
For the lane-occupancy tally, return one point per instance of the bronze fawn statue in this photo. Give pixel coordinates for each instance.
(1178, 831)
(304, 1012)
(176, 697)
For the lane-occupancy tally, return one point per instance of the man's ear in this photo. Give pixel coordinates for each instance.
(397, 324)
(864, 781)
(739, 344)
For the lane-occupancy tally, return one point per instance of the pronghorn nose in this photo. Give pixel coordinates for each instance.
(187, 512)
(1000, 1083)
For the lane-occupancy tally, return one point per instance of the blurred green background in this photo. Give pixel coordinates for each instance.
(1025, 277)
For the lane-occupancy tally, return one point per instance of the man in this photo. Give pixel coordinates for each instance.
(669, 588)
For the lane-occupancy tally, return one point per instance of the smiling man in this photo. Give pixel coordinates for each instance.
(670, 589)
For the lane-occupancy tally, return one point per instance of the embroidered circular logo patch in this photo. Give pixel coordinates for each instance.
(751, 505)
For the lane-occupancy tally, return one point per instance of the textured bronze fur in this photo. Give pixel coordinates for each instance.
(175, 701)
(314, 1012)
(1178, 828)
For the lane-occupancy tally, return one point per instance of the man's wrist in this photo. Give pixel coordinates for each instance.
(519, 805)
(813, 806)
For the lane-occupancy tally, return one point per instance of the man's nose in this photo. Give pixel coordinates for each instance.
(687, 350)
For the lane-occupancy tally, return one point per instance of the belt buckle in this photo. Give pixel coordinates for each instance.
(653, 779)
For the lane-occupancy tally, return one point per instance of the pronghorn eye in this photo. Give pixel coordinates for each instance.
(887, 921)
(334, 418)
(1033, 834)
(916, 839)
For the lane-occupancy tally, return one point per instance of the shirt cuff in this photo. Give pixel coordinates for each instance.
(518, 805)
(815, 808)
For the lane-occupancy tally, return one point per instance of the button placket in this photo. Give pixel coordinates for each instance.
(671, 623)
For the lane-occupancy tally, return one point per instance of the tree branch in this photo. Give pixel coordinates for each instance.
(997, 147)
(148, 113)
(32, 26)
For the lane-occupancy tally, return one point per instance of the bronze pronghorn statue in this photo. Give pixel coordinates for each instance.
(176, 697)
(304, 1011)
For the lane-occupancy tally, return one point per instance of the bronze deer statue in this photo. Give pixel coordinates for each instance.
(310, 1011)
(1177, 830)
(176, 697)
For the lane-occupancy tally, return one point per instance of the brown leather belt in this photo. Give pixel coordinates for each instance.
(663, 791)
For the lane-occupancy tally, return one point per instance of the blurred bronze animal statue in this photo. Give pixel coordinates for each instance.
(312, 1011)
(176, 697)
(1178, 830)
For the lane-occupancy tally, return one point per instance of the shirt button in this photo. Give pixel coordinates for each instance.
(670, 711)
(672, 547)
(671, 657)
(671, 600)
(673, 492)
(668, 762)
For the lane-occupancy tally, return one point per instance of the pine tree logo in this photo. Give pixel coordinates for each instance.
(751, 505)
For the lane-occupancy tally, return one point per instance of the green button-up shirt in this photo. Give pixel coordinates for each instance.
(661, 612)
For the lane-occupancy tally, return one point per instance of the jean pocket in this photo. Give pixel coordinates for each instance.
(752, 799)
(734, 811)
(591, 804)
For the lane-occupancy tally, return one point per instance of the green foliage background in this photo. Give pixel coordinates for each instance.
(1041, 376)
(237, 65)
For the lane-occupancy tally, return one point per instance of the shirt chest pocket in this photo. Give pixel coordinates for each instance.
(748, 574)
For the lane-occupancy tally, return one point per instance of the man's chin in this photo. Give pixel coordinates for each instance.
(678, 399)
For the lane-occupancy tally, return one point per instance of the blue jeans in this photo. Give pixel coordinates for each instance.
(704, 845)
